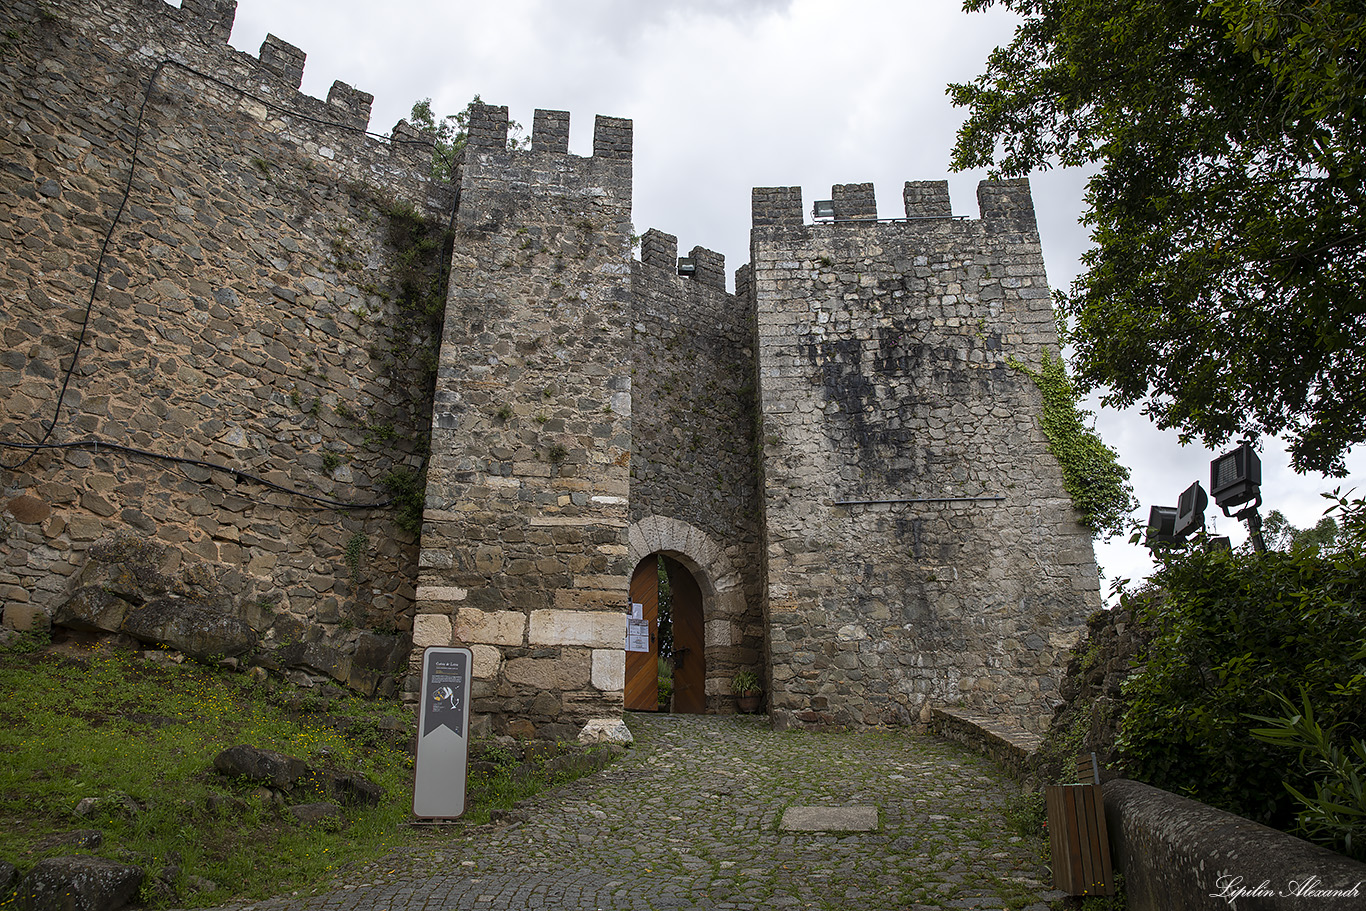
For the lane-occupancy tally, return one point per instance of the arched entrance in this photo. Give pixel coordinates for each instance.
(666, 622)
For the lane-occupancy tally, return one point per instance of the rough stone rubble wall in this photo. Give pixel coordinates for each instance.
(252, 313)
(245, 317)
(884, 376)
(693, 466)
(524, 555)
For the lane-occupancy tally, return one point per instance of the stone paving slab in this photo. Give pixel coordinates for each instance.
(829, 819)
(689, 818)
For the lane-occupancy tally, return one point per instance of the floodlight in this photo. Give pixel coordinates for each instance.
(823, 209)
(1190, 511)
(686, 266)
(1235, 477)
(1161, 525)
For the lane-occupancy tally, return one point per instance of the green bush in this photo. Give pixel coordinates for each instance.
(1336, 815)
(1230, 631)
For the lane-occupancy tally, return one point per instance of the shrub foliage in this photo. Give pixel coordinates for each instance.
(1231, 633)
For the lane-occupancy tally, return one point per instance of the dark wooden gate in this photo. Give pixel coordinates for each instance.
(690, 665)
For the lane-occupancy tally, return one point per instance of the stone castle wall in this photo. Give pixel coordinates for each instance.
(524, 538)
(248, 314)
(920, 543)
(283, 331)
(694, 486)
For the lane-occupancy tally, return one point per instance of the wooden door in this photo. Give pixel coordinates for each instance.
(690, 667)
(642, 667)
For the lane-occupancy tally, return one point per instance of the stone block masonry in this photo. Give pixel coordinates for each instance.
(251, 312)
(524, 536)
(694, 485)
(920, 546)
(840, 453)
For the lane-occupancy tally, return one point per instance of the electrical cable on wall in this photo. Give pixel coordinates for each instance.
(42, 444)
(97, 444)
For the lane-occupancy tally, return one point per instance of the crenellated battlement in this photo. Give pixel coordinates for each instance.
(704, 266)
(1004, 205)
(659, 249)
(550, 131)
(284, 60)
(927, 199)
(488, 132)
(191, 42)
(854, 202)
(214, 18)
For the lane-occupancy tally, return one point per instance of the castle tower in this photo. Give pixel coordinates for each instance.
(694, 490)
(920, 545)
(524, 535)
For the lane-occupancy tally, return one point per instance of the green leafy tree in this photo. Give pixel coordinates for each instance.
(450, 132)
(1225, 289)
(1280, 534)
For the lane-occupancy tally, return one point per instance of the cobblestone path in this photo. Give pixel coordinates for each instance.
(689, 818)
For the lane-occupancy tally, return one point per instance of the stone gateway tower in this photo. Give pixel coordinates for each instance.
(920, 545)
(252, 383)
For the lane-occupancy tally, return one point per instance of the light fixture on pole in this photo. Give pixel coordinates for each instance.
(1235, 479)
(1161, 524)
(1190, 511)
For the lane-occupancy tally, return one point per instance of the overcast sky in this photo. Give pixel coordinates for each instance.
(727, 95)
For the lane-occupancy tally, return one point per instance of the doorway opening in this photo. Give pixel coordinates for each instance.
(665, 655)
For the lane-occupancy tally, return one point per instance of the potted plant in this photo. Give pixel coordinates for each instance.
(748, 692)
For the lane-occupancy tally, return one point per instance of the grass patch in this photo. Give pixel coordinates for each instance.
(142, 736)
(94, 721)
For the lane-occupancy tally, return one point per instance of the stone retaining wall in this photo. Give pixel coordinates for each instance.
(1013, 748)
(1178, 853)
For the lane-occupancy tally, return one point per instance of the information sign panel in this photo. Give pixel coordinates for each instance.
(443, 733)
(637, 635)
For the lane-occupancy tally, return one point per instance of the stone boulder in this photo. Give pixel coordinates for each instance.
(196, 629)
(158, 595)
(350, 789)
(92, 609)
(313, 814)
(80, 838)
(377, 656)
(78, 884)
(9, 875)
(266, 766)
(129, 566)
(605, 730)
(118, 804)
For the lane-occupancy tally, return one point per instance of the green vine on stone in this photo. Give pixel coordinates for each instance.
(354, 553)
(1095, 480)
(409, 490)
